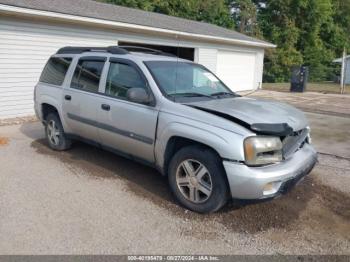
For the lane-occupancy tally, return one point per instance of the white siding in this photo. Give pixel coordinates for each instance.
(24, 50)
(259, 68)
(25, 47)
(208, 58)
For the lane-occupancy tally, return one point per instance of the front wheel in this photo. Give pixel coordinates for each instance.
(197, 179)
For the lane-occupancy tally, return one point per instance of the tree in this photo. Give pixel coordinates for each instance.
(210, 11)
(309, 32)
(278, 25)
(306, 32)
(144, 5)
(244, 14)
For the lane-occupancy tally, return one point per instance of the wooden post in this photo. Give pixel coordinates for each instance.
(343, 72)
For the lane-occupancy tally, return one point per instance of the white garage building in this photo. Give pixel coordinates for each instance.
(32, 30)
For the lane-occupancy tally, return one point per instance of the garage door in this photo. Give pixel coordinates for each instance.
(237, 70)
(24, 50)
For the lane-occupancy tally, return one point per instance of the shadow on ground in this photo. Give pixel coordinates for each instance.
(147, 183)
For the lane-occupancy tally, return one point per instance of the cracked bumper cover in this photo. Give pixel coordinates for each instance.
(250, 182)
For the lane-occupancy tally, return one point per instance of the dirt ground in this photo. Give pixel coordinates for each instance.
(88, 201)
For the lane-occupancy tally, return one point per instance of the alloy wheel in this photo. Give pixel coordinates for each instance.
(194, 181)
(53, 133)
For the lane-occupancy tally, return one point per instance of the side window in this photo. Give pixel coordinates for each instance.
(121, 77)
(55, 70)
(87, 75)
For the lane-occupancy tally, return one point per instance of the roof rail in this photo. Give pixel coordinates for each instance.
(117, 50)
(78, 50)
(141, 49)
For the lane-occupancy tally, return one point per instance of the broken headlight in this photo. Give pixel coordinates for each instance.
(262, 150)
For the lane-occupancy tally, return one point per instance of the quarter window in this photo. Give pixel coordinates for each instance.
(121, 77)
(87, 75)
(55, 70)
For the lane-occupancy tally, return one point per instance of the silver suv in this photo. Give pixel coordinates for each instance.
(178, 117)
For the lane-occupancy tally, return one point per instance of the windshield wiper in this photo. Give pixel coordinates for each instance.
(223, 94)
(191, 94)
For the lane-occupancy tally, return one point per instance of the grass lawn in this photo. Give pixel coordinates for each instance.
(323, 87)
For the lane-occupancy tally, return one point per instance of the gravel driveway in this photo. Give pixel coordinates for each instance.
(88, 201)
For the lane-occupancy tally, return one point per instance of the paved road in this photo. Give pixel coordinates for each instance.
(87, 201)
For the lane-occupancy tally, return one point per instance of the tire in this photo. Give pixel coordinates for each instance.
(208, 191)
(55, 135)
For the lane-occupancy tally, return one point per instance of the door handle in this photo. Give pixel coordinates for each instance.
(106, 107)
(68, 97)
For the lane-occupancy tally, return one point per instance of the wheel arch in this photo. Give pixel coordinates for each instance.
(49, 104)
(175, 143)
(46, 109)
(177, 136)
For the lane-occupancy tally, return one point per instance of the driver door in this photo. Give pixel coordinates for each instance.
(126, 126)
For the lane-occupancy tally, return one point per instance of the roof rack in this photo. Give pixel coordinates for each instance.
(78, 50)
(141, 49)
(117, 50)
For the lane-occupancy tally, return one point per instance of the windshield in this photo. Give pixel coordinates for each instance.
(186, 79)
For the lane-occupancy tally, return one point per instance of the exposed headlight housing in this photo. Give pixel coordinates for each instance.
(262, 150)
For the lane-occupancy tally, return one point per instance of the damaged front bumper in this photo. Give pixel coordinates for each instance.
(269, 181)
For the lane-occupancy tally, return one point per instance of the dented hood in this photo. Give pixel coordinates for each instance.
(254, 112)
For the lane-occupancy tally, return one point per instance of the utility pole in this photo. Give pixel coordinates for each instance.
(343, 72)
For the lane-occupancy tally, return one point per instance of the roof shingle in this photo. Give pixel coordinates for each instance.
(93, 9)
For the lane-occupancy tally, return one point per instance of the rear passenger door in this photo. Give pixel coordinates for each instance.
(126, 126)
(80, 98)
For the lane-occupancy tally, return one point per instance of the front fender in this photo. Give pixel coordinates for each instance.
(227, 144)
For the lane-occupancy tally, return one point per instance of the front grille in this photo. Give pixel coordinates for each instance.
(294, 142)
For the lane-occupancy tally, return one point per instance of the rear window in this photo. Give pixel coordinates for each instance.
(55, 70)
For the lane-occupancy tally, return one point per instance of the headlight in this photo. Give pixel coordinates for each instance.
(262, 150)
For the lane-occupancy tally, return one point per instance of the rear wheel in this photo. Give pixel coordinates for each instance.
(197, 179)
(55, 135)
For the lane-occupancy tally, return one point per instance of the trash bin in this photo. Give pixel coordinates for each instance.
(299, 78)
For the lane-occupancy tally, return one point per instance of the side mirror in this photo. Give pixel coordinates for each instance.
(138, 95)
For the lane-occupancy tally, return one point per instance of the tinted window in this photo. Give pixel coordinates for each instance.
(122, 77)
(87, 75)
(55, 70)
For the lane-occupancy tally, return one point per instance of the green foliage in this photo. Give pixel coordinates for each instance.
(309, 32)
(244, 14)
(211, 11)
